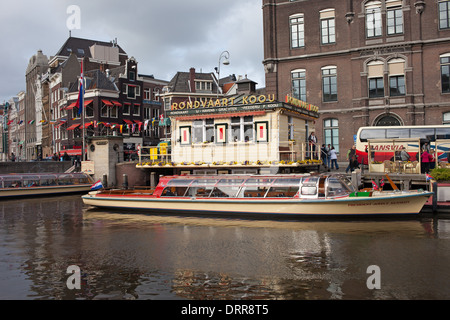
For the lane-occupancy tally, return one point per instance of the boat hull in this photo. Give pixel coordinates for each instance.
(43, 191)
(392, 204)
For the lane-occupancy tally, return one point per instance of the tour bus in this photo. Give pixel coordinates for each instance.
(437, 137)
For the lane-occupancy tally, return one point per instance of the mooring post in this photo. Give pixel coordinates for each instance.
(105, 180)
(435, 196)
(125, 181)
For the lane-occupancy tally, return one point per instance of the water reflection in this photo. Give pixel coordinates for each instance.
(137, 256)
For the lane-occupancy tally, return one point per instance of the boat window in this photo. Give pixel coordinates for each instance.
(48, 180)
(174, 191)
(226, 188)
(336, 188)
(11, 182)
(255, 188)
(230, 182)
(287, 182)
(65, 179)
(282, 192)
(309, 186)
(180, 182)
(30, 181)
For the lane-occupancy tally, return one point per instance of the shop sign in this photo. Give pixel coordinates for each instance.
(301, 104)
(223, 102)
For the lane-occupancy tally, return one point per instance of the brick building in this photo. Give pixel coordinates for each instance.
(363, 62)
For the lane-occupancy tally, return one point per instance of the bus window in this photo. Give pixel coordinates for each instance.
(396, 133)
(443, 133)
(423, 134)
(372, 134)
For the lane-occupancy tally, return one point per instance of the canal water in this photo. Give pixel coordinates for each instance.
(126, 255)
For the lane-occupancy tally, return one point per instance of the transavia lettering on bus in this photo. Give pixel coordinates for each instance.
(384, 147)
(223, 102)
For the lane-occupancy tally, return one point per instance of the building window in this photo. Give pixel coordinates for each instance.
(89, 110)
(242, 129)
(126, 108)
(376, 79)
(147, 94)
(397, 86)
(114, 111)
(327, 26)
(394, 18)
(331, 133)
(297, 26)
(373, 19)
(298, 78)
(397, 77)
(388, 121)
(446, 118)
(376, 88)
(329, 83)
(105, 110)
(203, 86)
(203, 131)
(445, 73)
(444, 14)
(136, 109)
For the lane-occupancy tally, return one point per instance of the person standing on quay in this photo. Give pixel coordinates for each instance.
(312, 145)
(324, 151)
(426, 159)
(333, 158)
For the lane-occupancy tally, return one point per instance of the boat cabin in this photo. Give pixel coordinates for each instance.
(29, 180)
(289, 186)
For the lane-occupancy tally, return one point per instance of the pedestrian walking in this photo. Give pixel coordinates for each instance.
(352, 160)
(333, 158)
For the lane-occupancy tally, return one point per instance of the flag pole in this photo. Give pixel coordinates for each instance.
(82, 113)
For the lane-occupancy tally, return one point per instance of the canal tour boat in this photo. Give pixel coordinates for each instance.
(294, 195)
(38, 184)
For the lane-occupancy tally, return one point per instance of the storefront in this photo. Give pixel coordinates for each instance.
(243, 130)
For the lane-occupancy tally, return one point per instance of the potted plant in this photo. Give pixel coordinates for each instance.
(442, 177)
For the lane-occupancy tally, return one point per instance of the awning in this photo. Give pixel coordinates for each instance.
(87, 125)
(108, 103)
(117, 103)
(223, 115)
(71, 106)
(87, 102)
(72, 127)
(128, 121)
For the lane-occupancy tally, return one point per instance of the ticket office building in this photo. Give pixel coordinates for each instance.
(248, 132)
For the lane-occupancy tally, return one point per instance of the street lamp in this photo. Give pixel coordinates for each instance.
(225, 54)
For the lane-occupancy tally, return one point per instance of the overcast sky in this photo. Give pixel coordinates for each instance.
(165, 36)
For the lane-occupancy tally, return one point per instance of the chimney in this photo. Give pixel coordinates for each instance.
(192, 79)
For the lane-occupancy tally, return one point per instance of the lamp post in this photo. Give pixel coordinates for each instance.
(225, 54)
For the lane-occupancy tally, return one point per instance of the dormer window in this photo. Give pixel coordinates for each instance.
(203, 86)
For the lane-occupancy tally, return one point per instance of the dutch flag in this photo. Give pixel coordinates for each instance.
(429, 177)
(97, 185)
